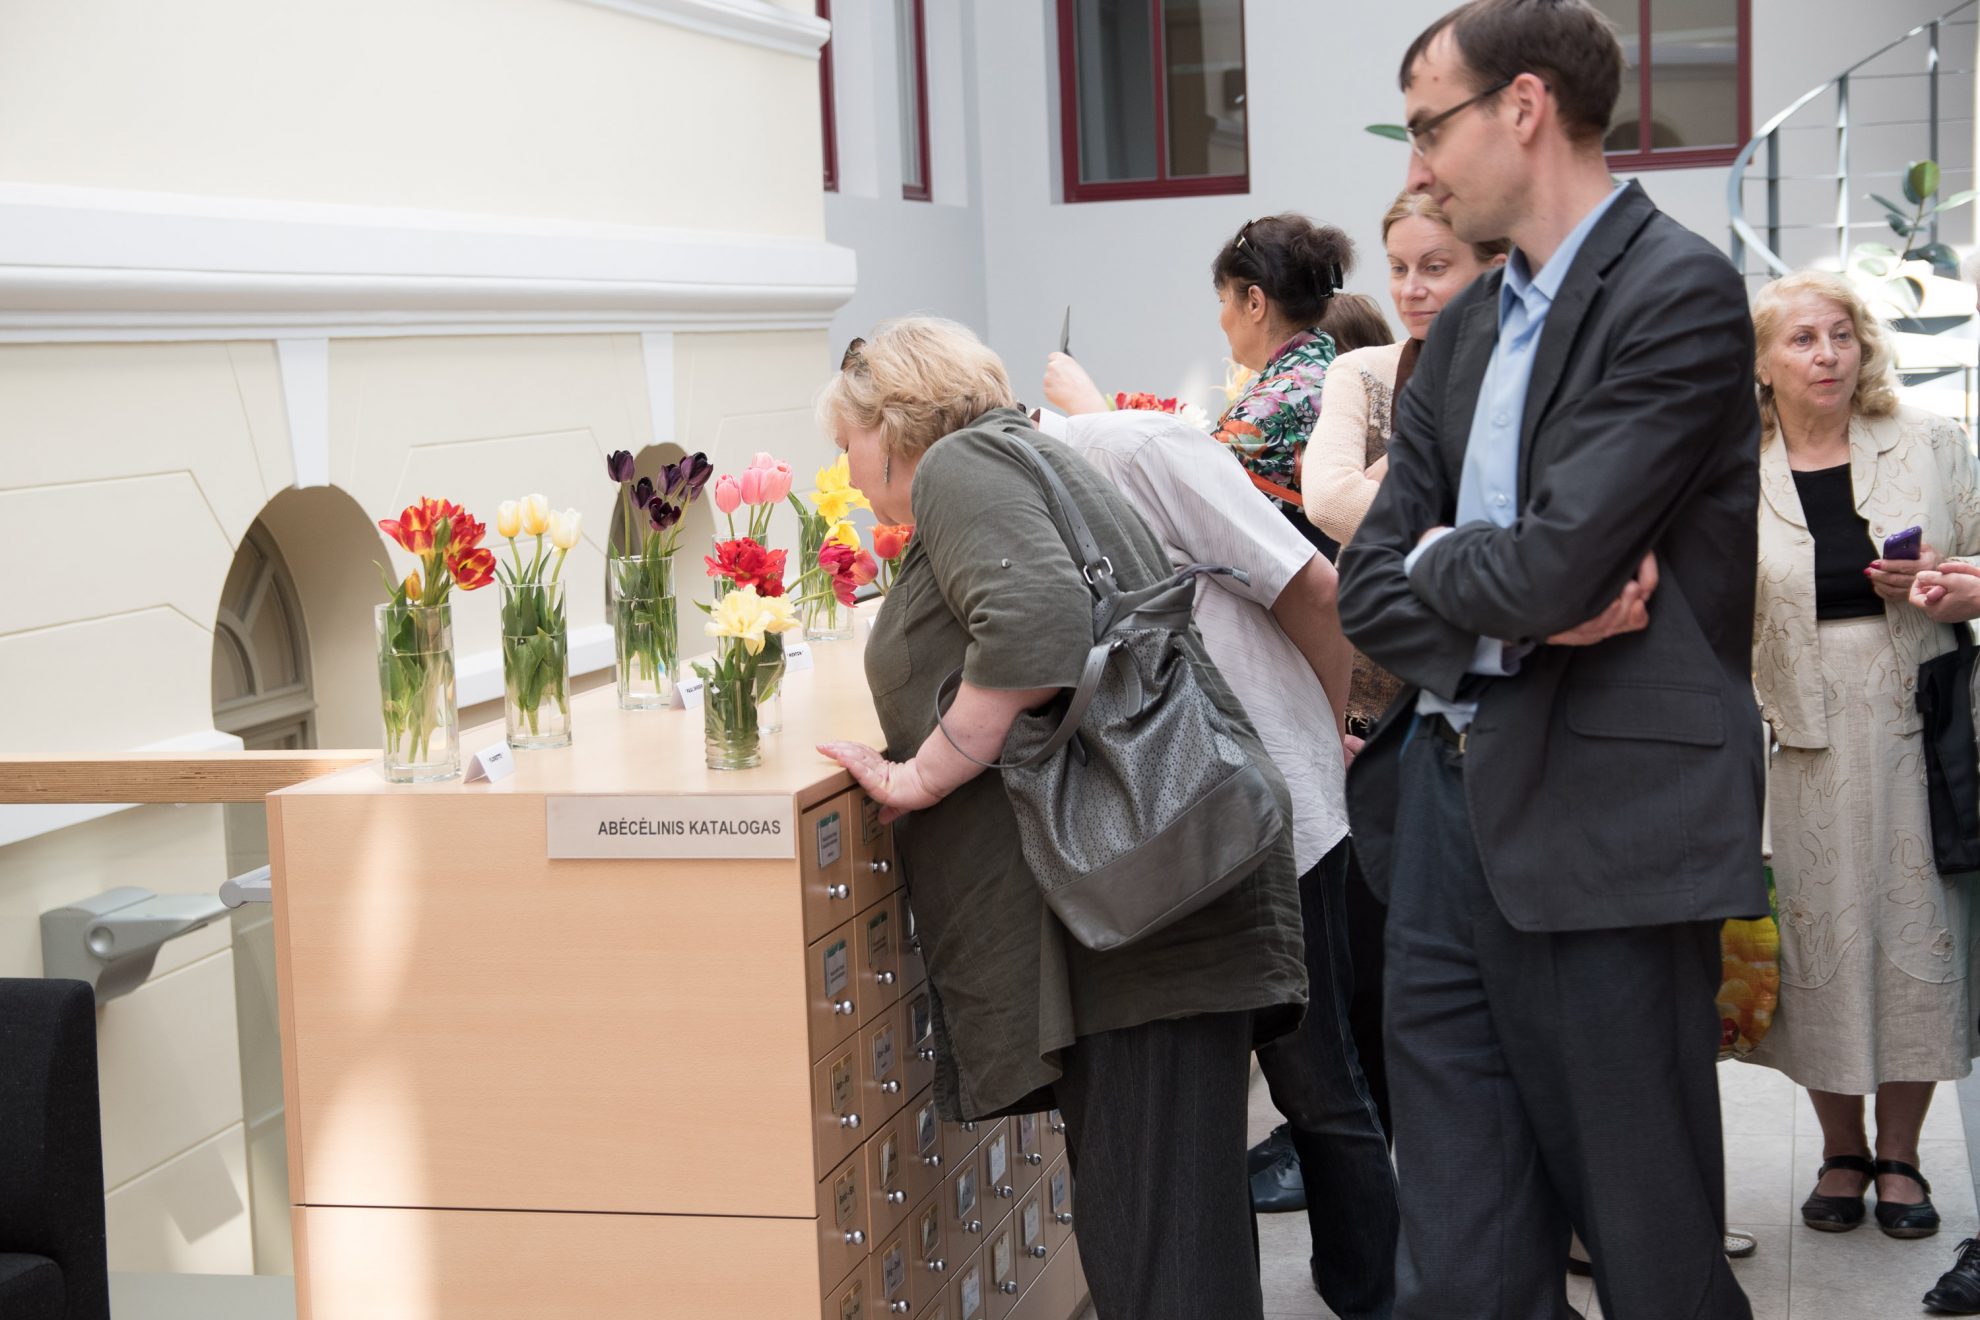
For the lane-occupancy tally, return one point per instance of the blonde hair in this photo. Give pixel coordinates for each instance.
(917, 379)
(1425, 206)
(1876, 385)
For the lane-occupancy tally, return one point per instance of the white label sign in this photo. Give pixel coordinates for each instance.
(687, 693)
(490, 763)
(684, 826)
(797, 655)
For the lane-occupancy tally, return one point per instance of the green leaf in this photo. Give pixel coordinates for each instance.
(1921, 180)
(1395, 132)
(1902, 228)
(1943, 258)
(1887, 204)
(1875, 267)
(1956, 200)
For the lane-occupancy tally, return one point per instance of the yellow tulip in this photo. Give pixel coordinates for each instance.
(508, 520)
(836, 496)
(411, 585)
(845, 534)
(564, 528)
(535, 515)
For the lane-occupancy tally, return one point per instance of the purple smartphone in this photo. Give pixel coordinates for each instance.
(1905, 544)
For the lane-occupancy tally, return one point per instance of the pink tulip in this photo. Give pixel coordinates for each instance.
(728, 493)
(763, 460)
(752, 485)
(864, 570)
(776, 483)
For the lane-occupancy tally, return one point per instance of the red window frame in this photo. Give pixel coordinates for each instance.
(923, 191)
(1162, 185)
(827, 116)
(1679, 158)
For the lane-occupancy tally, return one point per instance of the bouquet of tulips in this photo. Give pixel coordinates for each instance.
(890, 542)
(644, 623)
(746, 624)
(535, 637)
(415, 636)
(829, 553)
(763, 484)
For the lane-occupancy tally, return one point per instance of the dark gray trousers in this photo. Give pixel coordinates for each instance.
(1542, 1081)
(1155, 1127)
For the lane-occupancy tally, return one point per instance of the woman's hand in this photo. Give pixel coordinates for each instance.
(1948, 594)
(1069, 389)
(1892, 578)
(1350, 748)
(895, 785)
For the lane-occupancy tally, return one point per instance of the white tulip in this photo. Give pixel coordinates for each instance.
(535, 515)
(564, 528)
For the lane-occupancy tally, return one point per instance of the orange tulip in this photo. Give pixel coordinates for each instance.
(889, 539)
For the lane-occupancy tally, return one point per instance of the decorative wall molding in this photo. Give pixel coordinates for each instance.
(305, 368)
(751, 21)
(86, 264)
(25, 821)
(656, 350)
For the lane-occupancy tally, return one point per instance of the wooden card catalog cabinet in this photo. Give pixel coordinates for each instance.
(618, 1036)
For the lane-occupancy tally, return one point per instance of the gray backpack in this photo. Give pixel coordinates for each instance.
(1139, 804)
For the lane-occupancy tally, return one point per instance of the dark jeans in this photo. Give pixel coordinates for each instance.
(1367, 920)
(1544, 1080)
(1317, 1084)
(1155, 1128)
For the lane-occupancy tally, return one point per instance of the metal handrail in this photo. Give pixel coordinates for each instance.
(1743, 234)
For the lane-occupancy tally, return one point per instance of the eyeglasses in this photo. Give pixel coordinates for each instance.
(852, 357)
(1239, 245)
(1423, 136)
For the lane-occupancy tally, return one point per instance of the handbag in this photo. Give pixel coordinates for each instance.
(1750, 952)
(1952, 766)
(1136, 800)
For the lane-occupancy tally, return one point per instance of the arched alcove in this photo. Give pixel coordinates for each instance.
(698, 533)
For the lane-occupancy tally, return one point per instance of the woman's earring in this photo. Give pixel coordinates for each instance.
(887, 470)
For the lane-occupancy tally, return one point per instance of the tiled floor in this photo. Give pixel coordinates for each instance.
(1773, 1147)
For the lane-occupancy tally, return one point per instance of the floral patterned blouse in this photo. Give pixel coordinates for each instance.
(1268, 425)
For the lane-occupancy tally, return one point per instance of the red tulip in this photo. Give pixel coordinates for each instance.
(864, 570)
(748, 564)
(472, 569)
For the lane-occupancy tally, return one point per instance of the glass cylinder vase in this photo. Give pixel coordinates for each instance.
(416, 692)
(824, 619)
(646, 630)
(536, 669)
(770, 684)
(732, 734)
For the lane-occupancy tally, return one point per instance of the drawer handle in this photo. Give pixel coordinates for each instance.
(926, 1054)
(967, 1127)
(1006, 1192)
(1038, 1252)
(1059, 1128)
(896, 1198)
(855, 1238)
(1008, 1288)
(844, 1008)
(972, 1226)
(838, 891)
(897, 1308)
(890, 1088)
(1063, 1219)
(850, 1122)
(884, 978)
(932, 1161)
(936, 1266)
(1034, 1160)
(881, 867)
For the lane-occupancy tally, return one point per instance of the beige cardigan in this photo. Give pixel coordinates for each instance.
(1352, 432)
(1914, 468)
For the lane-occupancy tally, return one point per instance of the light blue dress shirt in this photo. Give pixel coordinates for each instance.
(1488, 489)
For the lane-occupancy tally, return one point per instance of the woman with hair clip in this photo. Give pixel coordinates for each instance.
(1274, 280)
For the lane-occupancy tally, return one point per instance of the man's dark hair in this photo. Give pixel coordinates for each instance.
(1567, 44)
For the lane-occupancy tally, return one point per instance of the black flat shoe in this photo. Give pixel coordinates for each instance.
(1958, 1290)
(1907, 1219)
(1277, 1145)
(1279, 1188)
(1837, 1214)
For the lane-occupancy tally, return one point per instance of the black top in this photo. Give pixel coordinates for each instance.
(1843, 546)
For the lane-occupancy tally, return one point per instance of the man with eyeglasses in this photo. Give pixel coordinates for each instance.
(1565, 803)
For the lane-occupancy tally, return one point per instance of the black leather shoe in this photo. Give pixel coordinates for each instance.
(1276, 1146)
(1958, 1290)
(1837, 1214)
(1907, 1219)
(1279, 1187)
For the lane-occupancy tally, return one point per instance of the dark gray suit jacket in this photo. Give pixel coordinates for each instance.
(1618, 784)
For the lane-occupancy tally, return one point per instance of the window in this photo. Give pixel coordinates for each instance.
(826, 116)
(1686, 93)
(261, 685)
(911, 47)
(1152, 98)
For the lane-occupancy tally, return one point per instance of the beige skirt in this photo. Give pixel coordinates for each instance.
(1876, 949)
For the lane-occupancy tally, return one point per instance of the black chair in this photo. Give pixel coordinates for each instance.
(52, 1264)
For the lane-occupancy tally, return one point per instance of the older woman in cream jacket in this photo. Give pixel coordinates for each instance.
(1877, 949)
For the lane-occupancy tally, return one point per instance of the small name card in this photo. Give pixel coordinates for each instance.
(687, 693)
(797, 655)
(671, 827)
(491, 764)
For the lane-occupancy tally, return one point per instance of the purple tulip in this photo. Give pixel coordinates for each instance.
(662, 514)
(697, 470)
(642, 493)
(673, 479)
(619, 466)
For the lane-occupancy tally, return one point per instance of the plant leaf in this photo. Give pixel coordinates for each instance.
(1902, 228)
(1921, 180)
(1394, 131)
(1957, 199)
(1942, 257)
(1886, 203)
(1875, 267)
